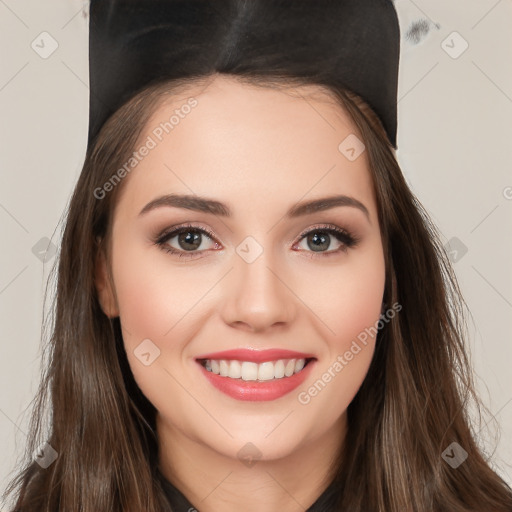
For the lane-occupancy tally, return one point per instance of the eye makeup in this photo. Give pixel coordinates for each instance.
(320, 233)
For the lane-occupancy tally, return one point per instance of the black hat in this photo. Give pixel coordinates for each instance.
(135, 43)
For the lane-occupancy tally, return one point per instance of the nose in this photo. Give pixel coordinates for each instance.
(258, 296)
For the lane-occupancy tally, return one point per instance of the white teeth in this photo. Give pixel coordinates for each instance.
(266, 371)
(248, 370)
(235, 370)
(215, 366)
(289, 368)
(279, 369)
(224, 368)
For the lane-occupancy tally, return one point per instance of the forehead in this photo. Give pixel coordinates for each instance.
(255, 145)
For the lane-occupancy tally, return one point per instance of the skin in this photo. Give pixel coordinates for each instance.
(260, 151)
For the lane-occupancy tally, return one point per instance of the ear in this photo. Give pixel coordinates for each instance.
(104, 287)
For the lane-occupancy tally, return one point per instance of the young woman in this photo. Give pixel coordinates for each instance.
(253, 310)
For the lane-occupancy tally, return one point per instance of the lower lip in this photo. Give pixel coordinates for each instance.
(257, 391)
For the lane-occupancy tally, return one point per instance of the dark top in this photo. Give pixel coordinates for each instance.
(179, 503)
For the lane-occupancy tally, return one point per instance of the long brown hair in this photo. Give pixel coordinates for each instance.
(412, 405)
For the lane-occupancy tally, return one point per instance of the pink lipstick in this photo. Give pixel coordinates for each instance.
(256, 375)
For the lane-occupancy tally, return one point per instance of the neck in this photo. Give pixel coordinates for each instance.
(213, 481)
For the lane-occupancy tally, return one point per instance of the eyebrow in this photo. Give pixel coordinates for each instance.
(211, 206)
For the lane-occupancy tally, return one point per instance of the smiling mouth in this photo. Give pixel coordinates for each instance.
(251, 371)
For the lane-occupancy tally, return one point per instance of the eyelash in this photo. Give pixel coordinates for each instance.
(347, 239)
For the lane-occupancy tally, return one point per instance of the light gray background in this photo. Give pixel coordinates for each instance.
(455, 149)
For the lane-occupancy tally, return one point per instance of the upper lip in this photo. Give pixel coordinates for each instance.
(256, 356)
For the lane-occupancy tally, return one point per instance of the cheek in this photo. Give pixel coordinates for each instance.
(154, 299)
(145, 302)
(155, 304)
(348, 298)
(349, 308)
(358, 306)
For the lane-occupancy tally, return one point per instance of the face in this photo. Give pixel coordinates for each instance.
(254, 272)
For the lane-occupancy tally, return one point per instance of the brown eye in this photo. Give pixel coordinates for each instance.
(189, 239)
